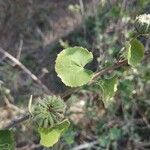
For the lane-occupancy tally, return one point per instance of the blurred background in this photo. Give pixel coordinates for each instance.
(33, 32)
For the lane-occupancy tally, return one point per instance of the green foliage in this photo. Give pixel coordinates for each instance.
(108, 88)
(115, 133)
(127, 87)
(7, 140)
(104, 140)
(48, 112)
(50, 136)
(112, 135)
(135, 52)
(69, 137)
(70, 66)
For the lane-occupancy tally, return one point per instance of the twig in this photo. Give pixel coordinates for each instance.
(142, 145)
(100, 73)
(111, 68)
(16, 121)
(20, 49)
(97, 75)
(82, 7)
(85, 145)
(25, 70)
(29, 147)
(10, 105)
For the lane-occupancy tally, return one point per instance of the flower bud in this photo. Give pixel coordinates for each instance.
(48, 112)
(142, 24)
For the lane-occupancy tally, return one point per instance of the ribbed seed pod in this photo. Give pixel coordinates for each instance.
(142, 24)
(49, 111)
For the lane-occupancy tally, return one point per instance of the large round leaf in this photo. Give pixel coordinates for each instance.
(70, 66)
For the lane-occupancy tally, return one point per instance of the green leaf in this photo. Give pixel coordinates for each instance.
(115, 133)
(104, 140)
(70, 66)
(50, 136)
(7, 140)
(135, 52)
(126, 48)
(108, 88)
(69, 135)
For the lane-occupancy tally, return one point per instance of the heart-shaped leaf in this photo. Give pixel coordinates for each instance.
(70, 66)
(50, 136)
(135, 52)
(7, 140)
(108, 88)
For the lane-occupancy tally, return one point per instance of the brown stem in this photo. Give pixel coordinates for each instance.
(16, 121)
(17, 62)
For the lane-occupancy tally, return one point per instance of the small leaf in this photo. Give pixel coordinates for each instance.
(104, 140)
(70, 66)
(135, 52)
(69, 135)
(7, 140)
(108, 87)
(50, 136)
(115, 133)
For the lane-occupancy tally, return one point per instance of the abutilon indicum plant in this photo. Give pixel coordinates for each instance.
(48, 114)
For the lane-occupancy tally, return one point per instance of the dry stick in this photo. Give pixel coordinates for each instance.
(20, 49)
(30, 147)
(85, 146)
(111, 68)
(9, 105)
(25, 70)
(18, 120)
